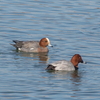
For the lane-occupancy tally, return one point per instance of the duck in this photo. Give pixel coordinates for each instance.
(66, 65)
(32, 46)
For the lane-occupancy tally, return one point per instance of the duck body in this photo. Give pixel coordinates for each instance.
(32, 46)
(61, 65)
(29, 46)
(66, 65)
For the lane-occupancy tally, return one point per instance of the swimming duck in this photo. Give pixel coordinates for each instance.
(66, 65)
(32, 46)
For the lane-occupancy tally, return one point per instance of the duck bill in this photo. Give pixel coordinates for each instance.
(50, 45)
(82, 62)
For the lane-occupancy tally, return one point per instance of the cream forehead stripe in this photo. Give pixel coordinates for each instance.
(48, 40)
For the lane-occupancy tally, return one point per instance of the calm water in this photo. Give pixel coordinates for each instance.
(73, 26)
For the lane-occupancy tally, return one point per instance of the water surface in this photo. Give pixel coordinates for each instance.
(72, 26)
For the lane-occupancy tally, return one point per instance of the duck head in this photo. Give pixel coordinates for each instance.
(44, 42)
(76, 59)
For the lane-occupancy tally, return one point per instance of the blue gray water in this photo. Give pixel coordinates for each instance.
(73, 26)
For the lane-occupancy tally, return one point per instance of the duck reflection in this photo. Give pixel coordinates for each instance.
(39, 56)
(74, 78)
(72, 75)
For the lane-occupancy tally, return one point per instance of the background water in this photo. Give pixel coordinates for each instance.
(73, 26)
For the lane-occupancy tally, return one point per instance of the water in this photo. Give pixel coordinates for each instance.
(73, 26)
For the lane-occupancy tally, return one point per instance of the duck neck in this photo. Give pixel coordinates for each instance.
(76, 68)
(75, 63)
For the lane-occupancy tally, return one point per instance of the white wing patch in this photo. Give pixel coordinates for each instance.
(31, 48)
(19, 48)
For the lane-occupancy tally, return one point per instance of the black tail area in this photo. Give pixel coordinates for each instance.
(13, 45)
(18, 44)
(15, 41)
(50, 67)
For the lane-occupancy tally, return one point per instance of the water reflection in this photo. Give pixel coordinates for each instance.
(65, 74)
(39, 56)
(76, 76)
(71, 81)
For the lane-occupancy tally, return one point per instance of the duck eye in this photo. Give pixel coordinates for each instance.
(45, 41)
(80, 58)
